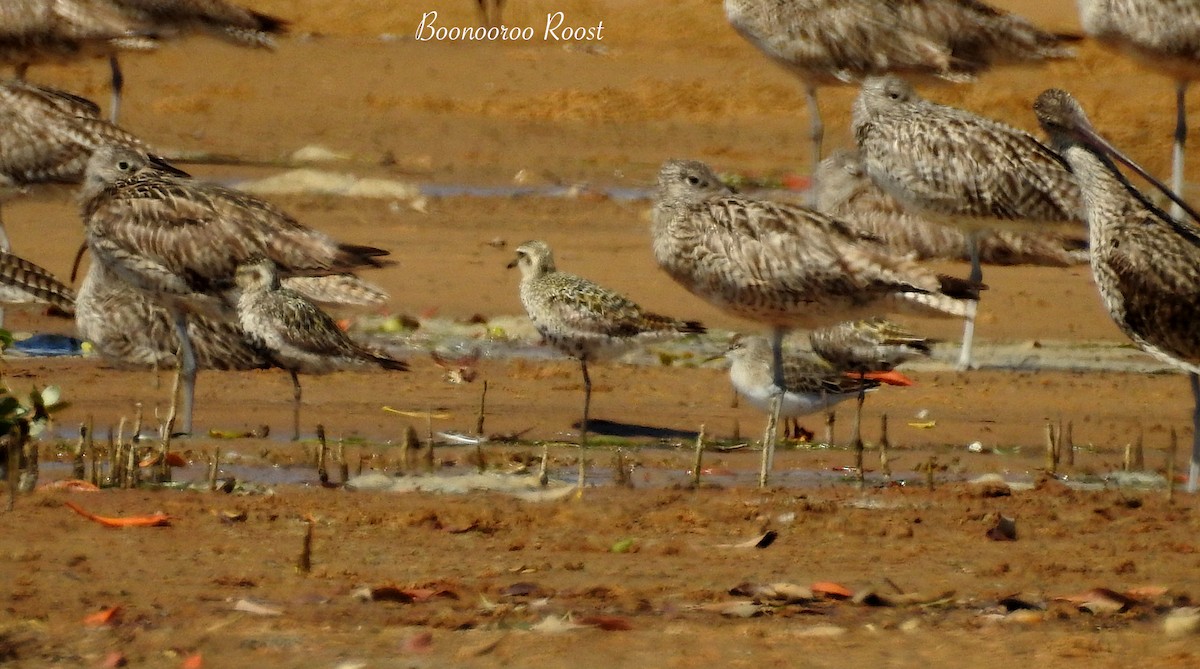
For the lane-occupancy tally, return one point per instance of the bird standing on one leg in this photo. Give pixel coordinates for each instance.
(584, 320)
(294, 333)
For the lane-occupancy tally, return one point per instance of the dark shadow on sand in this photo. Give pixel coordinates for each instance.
(611, 428)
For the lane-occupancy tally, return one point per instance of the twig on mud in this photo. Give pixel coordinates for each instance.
(78, 466)
(698, 461)
(1051, 450)
(304, 564)
(482, 409)
(164, 472)
(621, 473)
(408, 449)
(427, 458)
(544, 470)
(343, 466)
(94, 477)
(1068, 444)
(213, 467)
(117, 468)
(885, 465)
(137, 423)
(322, 453)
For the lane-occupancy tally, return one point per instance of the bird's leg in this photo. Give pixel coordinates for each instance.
(583, 426)
(295, 405)
(186, 369)
(118, 85)
(830, 420)
(857, 440)
(968, 340)
(771, 433)
(816, 136)
(1180, 140)
(1194, 468)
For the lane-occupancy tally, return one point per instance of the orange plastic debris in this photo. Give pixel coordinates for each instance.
(193, 661)
(830, 589)
(892, 378)
(153, 520)
(103, 617)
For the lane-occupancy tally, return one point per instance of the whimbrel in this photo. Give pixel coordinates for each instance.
(1146, 264)
(584, 320)
(783, 265)
(1163, 35)
(825, 42)
(180, 241)
(293, 332)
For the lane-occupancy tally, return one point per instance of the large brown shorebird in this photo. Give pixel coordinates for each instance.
(180, 240)
(1146, 263)
(294, 333)
(783, 265)
(1163, 35)
(584, 320)
(827, 42)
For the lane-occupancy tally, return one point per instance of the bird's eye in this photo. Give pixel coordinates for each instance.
(693, 180)
(123, 165)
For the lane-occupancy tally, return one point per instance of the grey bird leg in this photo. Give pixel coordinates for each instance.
(186, 369)
(816, 136)
(118, 85)
(830, 421)
(857, 440)
(1180, 140)
(772, 431)
(295, 405)
(1194, 468)
(583, 427)
(964, 354)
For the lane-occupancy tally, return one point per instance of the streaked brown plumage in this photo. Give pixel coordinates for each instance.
(1146, 265)
(584, 320)
(810, 383)
(23, 282)
(827, 42)
(783, 265)
(35, 31)
(949, 161)
(180, 240)
(293, 332)
(847, 194)
(872, 345)
(1163, 35)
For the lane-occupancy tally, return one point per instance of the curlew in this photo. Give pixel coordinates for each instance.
(1163, 35)
(293, 332)
(1145, 263)
(783, 265)
(47, 136)
(826, 42)
(180, 240)
(23, 282)
(585, 321)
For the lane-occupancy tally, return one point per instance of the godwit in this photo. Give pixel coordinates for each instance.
(23, 282)
(177, 18)
(33, 31)
(783, 265)
(47, 136)
(847, 194)
(294, 333)
(825, 42)
(966, 169)
(584, 320)
(1146, 264)
(180, 240)
(1163, 35)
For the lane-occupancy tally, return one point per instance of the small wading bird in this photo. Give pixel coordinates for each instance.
(1146, 263)
(293, 332)
(783, 265)
(584, 320)
(180, 241)
(827, 42)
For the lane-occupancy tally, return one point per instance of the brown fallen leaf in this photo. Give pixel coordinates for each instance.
(1100, 600)
(761, 541)
(1147, 591)
(1005, 529)
(780, 593)
(421, 642)
(383, 593)
(113, 660)
(69, 485)
(522, 589)
(425, 594)
(109, 616)
(256, 608)
(607, 623)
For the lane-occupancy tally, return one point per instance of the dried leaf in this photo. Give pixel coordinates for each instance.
(1100, 600)
(555, 625)
(522, 589)
(421, 642)
(607, 623)
(778, 593)
(257, 608)
(425, 594)
(1182, 621)
(761, 541)
(1147, 592)
(1005, 529)
(228, 516)
(69, 485)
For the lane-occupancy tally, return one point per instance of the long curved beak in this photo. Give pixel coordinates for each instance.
(512, 263)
